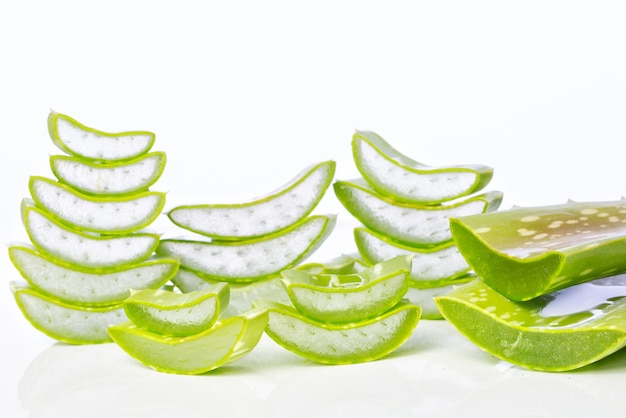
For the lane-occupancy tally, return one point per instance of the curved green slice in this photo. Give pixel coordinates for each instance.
(429, 266)
(78, 140)
(109, 215)
(410, 224)
(86, 250)
(560, 331)
(269, 214)
(254, 259)
(116, 178)
(355, 342)
(68, 323)
(394, 174)
(225, 342)
(527, 252)
(341, 298)
(84, 286)
(177, 314)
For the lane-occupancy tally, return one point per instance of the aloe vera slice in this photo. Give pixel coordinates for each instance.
(176, 314)
(115, 178)
(560, 331)
(225, 342)
(254, 259)
(341, 298)
(395, 175)
(429, 266)
(269, 214)
(86, 250)
(526, 252)
(355, 342)
(72, 324)
(78, 140)
(82, 286)
(110, 215)
(408, 223)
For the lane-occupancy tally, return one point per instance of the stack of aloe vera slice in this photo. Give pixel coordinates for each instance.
(551, 294)
(248, 244)
(88, 246)
(405, 206)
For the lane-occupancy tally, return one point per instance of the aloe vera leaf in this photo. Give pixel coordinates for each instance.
(560, 331)
(89, 287)
(225, 342)
(68, 323)
(340, 298)
(114, 178)
(355, 342)
(177, 314)
(109, 215)
(429, 265)
(262, 216)
(395, 175)
(76, 139)
(61, 242)
(253, 259)
(410, 224)
(527, 252)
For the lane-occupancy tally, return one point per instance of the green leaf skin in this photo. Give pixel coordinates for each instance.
(527, 252)
(64, 322)
(227, 341)
(340, 298)
(109, 179)
(410, 224)
(561, 331)
(105, 215)
(395, 175)
(177, 314)
(78, 140)
(349, 343)
(84, 286)
(254, 259)
(263, 216)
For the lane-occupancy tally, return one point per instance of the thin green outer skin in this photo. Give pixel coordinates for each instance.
(142, 223)
(483, 173)
(386, 345)
(225, 342)
(55, 159)
(515, 332)
(495, 246)
(291, 185)
(52, 129)
(373, 279)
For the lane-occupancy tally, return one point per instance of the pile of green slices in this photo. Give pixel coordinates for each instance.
(405, 206)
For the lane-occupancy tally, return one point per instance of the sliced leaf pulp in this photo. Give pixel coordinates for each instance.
(527, 252)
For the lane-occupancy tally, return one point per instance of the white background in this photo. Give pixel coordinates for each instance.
(244, 94)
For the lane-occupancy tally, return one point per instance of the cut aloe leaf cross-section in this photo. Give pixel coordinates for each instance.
(526, 252)
(263, 216)
(110, 215)
(400, 177)
(560, 331)
(87, 250)
(69, 323)
(87, 143)
(177, 314)
(355, 342)
(340, 298)
(116, 178)
(251, 260)
(88, 286)
(225, 342)
(430, 266)
(411, 224)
